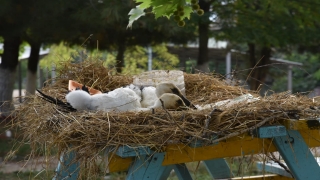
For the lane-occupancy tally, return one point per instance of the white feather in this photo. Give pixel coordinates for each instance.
(136, 89)
(149, 96)
(121, 99)
(79, 99)
(170, 101)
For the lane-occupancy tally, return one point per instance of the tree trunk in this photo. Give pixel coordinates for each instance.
(203, 30)
(258, 74)
(32, 68)
(8, 68)
(120, 57)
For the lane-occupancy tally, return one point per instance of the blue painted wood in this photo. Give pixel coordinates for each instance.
(272, 168)
(297, 156)
(149, 167)
(67, 168)
(126, 151)
(165, 174)
(182, 171)
(218, 168)
(270, 131)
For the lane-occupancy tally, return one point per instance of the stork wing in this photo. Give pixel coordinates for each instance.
(63, 105)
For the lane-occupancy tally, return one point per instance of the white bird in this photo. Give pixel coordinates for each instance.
(169, 101)
(148, 96)
(119, 100)
(136, 89)
(166, 87)
(79, 99)
(125, 99)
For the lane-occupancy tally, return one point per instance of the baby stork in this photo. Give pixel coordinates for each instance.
(166, 87)
(166, 94)
(119, 100)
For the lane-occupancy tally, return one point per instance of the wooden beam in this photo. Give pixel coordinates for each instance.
(237, 146)
(297, 156)
(263, 177)
(301, 124)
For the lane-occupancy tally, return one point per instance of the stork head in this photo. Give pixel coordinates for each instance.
(79, 99)
(170, 101)
(167, 87)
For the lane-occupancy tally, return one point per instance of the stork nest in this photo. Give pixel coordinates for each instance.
(88, 133)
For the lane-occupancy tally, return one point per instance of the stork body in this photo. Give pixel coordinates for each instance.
(171, 88)
(149, 96)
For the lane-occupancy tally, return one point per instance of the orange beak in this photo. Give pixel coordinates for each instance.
(73, 85)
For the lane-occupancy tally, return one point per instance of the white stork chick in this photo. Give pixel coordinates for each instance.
(149, 96)
(167, 87)
(79, 99)
(119, 100)
(170, 101)
(136, 89)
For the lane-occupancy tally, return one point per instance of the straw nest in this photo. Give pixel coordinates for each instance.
(89, 133)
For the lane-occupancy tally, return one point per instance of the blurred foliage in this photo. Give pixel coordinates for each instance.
(304, 78)
(136, 58)
(276, 23)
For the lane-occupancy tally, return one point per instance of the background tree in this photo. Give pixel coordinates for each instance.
(262, 26)
(13, 22)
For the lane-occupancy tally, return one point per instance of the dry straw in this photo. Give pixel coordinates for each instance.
(89, 133)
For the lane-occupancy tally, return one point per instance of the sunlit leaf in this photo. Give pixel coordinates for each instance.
(135, 14)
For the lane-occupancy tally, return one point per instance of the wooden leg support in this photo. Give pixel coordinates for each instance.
(218, 168)
(67, 168)
(297, 156)
(182, 172)
(149, 167)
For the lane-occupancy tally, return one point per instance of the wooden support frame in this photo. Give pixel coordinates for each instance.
(218, 168)
(143, 161)
(68, 168)
(149, 167)
(297, 156)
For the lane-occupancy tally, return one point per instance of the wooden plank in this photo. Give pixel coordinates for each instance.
(149, 167)
(297, 156)
(182, 172)
(273, 168)
(126, 151)
(301, 124)
(263, 177)
(118, 164)
(270, 131)
(68, 167)
(218, 168)
(237, 146)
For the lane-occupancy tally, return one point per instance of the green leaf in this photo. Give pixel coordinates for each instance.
(187, 11)
(135, 14)
(144, 3)
(164, 10)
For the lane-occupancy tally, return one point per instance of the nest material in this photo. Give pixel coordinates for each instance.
(91, 132)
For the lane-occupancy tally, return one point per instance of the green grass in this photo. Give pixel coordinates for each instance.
(7, 145)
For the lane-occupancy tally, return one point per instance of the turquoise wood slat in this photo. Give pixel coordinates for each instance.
(272, 168)
(149, 167)
(270, 131)
(182, 172)
(218, 168)
(67, 169)
(297, 156)
(126, 151)
(165, 174)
